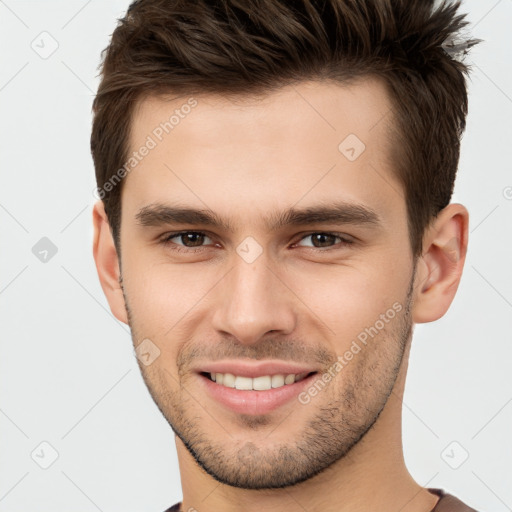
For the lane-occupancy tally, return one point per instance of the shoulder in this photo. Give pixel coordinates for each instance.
(449, 503)
(174, 508)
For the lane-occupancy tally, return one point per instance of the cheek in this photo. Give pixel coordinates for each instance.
(347, 299)
(163, 297)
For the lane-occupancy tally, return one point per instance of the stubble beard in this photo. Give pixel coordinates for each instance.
(357, 396)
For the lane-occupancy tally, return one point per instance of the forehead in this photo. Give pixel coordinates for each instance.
(306, 142)
(304, 109)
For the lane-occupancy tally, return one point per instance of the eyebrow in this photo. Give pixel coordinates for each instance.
(337, 213)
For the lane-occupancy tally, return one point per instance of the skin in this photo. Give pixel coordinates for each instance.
(245, 159)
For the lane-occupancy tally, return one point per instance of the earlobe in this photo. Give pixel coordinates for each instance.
(107, 262)
(440, 268)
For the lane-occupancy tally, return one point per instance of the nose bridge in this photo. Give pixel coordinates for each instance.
(253, 302)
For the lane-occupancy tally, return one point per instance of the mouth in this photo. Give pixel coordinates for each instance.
(259, 383)
(255, 390)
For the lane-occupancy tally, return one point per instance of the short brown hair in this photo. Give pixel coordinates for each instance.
(255, 46)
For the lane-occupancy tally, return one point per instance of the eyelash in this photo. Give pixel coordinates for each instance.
(166, 241)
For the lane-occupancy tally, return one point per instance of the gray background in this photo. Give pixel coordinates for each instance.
(67, 370)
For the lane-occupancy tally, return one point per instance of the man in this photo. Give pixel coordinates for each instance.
(275, 183)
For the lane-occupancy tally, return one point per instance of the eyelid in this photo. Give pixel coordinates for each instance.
(166, 238)
(345, 239)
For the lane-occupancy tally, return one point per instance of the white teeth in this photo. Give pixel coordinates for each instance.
(229, 380)
(261, 383)
(289, 379)
(243, 383)
(277, 381)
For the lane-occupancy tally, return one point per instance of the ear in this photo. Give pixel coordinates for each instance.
(107, 262)
(439, 269)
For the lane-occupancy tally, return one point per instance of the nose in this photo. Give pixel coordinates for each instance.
(254, 300)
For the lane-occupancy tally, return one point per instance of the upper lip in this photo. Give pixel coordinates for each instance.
(252, 369)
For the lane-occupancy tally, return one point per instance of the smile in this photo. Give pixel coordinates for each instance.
(260, 383)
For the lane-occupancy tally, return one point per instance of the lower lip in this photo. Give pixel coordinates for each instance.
(251, 401)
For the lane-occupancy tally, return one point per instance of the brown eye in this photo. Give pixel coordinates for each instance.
(324, 240)
(190, 239)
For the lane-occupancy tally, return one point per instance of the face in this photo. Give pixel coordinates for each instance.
(264, 244)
